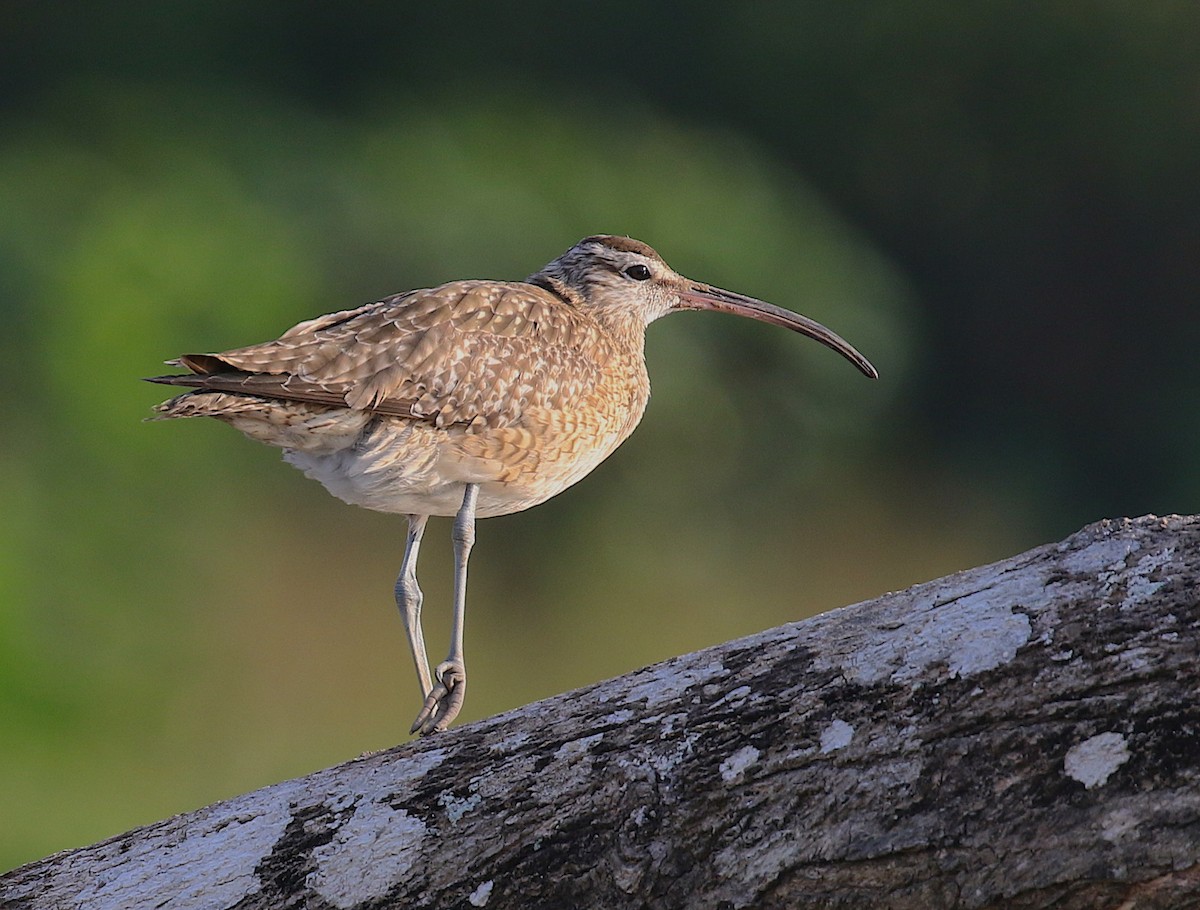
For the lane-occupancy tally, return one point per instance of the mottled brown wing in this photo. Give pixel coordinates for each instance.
(465, 352)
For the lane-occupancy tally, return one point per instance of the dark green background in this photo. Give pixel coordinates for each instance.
(997, 202)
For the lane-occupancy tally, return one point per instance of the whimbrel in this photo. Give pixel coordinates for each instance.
(472, 399)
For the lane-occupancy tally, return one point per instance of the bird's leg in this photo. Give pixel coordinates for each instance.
(408, 599)
(444, 702)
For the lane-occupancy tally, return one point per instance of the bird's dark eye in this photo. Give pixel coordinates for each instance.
(638, 272)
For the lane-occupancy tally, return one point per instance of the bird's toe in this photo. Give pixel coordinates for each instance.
(445, 701)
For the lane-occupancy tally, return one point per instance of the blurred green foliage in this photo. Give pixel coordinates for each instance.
(995, 203)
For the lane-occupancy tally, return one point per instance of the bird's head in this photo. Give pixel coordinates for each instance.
(625, 282)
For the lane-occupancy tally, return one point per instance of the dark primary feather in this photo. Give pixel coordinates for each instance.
(280, 387)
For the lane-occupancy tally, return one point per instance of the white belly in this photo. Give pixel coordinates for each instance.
(408, 468)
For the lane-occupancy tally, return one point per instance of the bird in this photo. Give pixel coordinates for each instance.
(469, 400)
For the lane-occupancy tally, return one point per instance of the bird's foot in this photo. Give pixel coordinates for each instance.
(445, 701)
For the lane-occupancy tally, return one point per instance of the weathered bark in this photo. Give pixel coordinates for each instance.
(1025, 734)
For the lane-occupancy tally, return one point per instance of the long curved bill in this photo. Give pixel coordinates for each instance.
(707, 297)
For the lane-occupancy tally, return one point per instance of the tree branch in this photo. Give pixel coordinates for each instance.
(1026, 734)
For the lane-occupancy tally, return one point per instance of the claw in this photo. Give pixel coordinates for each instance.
(445, 701)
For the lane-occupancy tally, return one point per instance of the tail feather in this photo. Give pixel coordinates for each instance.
(204, 364)
(200, 364)
(190, 404)
(298, 426)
